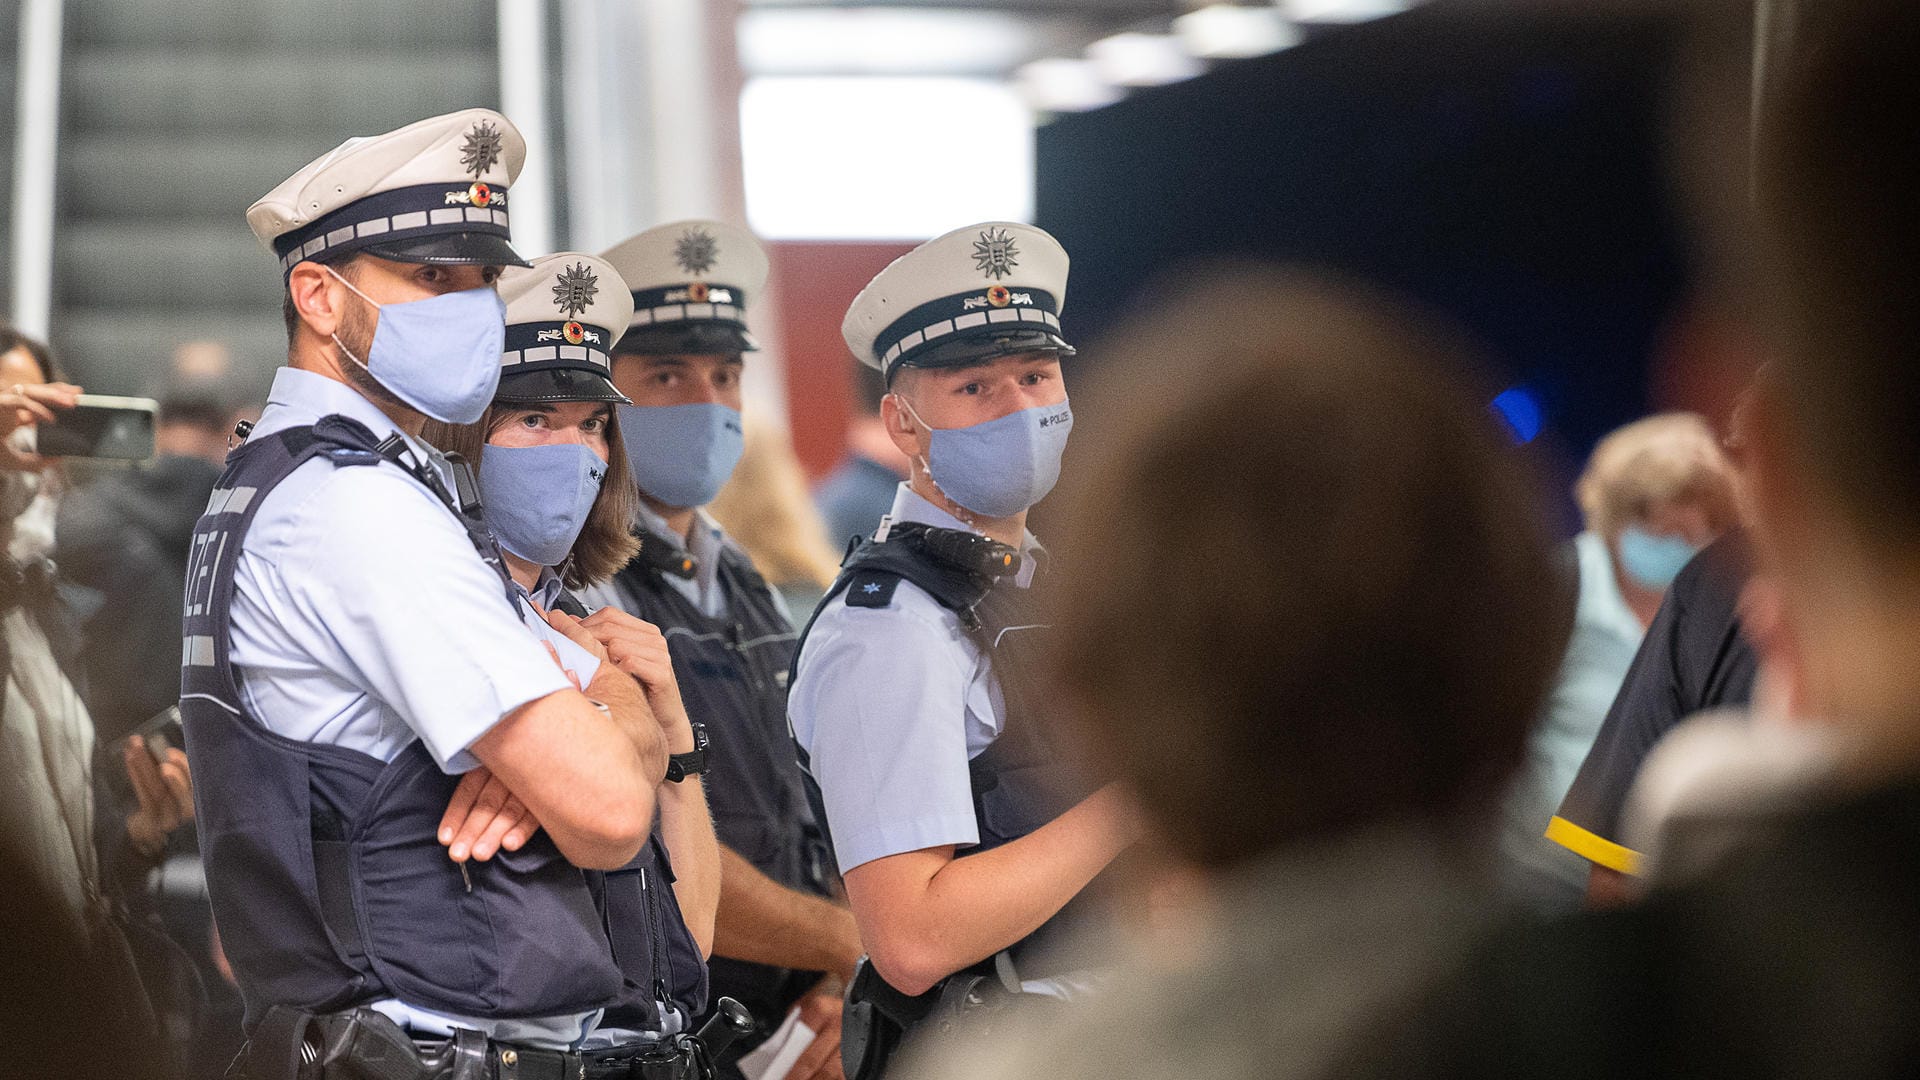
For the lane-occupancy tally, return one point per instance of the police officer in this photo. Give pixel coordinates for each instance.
(353, 663)
(557, 497)
(959, 827)
(778, 940)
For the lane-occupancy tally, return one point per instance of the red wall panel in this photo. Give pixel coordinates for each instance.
(813, 282)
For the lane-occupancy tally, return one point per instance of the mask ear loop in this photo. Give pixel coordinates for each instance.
(954, 507)
(922, 459)
(337, 343)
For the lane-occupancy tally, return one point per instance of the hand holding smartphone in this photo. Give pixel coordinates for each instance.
(101, 426)
(162, 782)
(161, 733)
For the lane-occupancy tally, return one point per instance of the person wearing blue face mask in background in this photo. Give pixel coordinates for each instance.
(963, 831)
(782, 944)
(1654, 493)
(374, 735)
(558, 498)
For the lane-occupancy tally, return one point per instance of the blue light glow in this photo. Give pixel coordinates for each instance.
(1521, 411)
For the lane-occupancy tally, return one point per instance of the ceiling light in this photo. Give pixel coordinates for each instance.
(1134, 59)
(880, 41)
(1340, 11)
(1228, 31)
(1061, 85)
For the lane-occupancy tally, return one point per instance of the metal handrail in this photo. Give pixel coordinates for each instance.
(36, 140)
(523, 99)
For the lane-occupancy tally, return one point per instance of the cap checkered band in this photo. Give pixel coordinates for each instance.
(561, 344)
(999, 305)
(700, 301)
(407, 213)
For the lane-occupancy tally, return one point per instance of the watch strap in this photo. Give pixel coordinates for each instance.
(681, 766)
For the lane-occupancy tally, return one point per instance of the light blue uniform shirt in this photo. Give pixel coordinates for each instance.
(1606, 635)
(363, 618)
(891, 704)
(546, 592)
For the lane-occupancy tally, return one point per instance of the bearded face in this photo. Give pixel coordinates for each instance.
(353, 342)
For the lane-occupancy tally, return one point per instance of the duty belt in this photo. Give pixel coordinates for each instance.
(364, 1044)
(967, 1005)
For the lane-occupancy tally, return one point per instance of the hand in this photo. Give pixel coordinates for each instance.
(165, 791)
(820, 1010)
(484, 817)
(639, 648)
(23, 405)
(635, 646)
(625, 700)
(610, 686)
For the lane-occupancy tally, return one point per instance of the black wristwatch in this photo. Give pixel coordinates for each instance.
(692, 763)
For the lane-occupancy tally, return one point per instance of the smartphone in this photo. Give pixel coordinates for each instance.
(161, 733)
(101, 426)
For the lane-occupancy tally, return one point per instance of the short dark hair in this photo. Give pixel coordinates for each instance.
(1837, 171)
(11, 339)
(1305, 585)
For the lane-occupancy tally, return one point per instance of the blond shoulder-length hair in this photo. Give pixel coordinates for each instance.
(1665, 458)
(606, 541)
(767, 509)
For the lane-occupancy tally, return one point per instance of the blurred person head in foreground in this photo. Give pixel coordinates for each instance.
(1835, 445)
(1332, 591)
(1798, 952)
(1309, 610)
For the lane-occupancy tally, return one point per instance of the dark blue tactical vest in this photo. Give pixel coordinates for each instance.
(1023, 779)
(733, 676)
(651, 941)
(328, 884)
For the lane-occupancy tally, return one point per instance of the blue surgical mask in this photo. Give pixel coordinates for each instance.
(440, 355)
(1653, 561)
(536, 498)
(998, 468)
(681, 454)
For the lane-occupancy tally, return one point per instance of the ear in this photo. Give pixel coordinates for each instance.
(319, 298)
(900, 427)
(893, 416)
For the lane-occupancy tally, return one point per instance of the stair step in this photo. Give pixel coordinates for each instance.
(306, 23)
(163, 264)
(316, 98)
(122, 350)
(177, 114)
(210, 179)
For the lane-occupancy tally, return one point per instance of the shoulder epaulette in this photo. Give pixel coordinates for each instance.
(871, 588)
